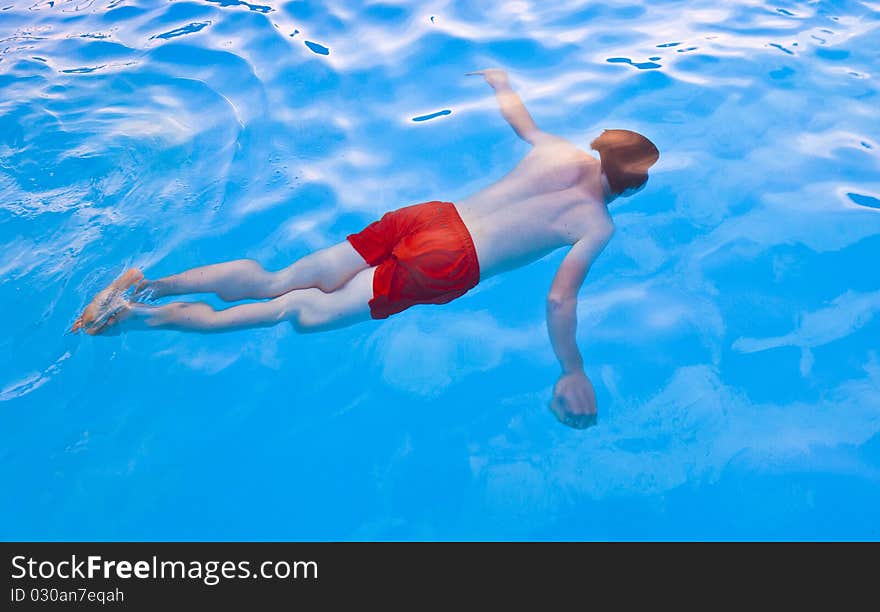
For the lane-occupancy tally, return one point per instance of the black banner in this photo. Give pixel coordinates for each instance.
(269, 576)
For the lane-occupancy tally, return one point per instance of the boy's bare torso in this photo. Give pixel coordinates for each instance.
(552, 198)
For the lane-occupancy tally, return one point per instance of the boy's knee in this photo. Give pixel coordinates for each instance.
(310, 321)
(321, 270)
(308, 313)
(250, 266)
(327, 285)
(307, 324)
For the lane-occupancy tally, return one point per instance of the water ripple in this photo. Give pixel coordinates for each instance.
(190, 28)
(640, 65)
(259, 8)
(429, 116)
(864, 200)
(317, 48)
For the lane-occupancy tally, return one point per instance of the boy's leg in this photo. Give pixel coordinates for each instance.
(327, 270)
(309, 310)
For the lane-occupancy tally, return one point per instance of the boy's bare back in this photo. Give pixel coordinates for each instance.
(552, 198)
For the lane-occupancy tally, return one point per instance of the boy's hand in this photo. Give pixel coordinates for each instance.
(495, 77)
(574, 401)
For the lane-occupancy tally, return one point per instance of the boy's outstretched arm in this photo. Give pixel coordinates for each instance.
(511, 105)
(574, 401)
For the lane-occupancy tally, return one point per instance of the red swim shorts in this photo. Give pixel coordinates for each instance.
(423, 254)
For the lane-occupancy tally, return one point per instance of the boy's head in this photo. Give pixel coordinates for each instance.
(626, 157)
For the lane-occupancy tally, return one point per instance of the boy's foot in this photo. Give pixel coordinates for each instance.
(109, 306)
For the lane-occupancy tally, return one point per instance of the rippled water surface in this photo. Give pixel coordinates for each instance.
(729, 326)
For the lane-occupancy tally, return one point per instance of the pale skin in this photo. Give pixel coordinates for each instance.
(555, 197)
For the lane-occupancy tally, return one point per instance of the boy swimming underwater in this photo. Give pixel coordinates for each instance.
(429, 253)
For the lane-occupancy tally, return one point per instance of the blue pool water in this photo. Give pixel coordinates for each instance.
(730, 327)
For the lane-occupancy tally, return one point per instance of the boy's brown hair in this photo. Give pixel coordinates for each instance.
(626, 157)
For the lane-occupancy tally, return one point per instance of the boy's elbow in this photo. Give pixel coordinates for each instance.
(608, 232)
(558, 302)
(534, 136)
